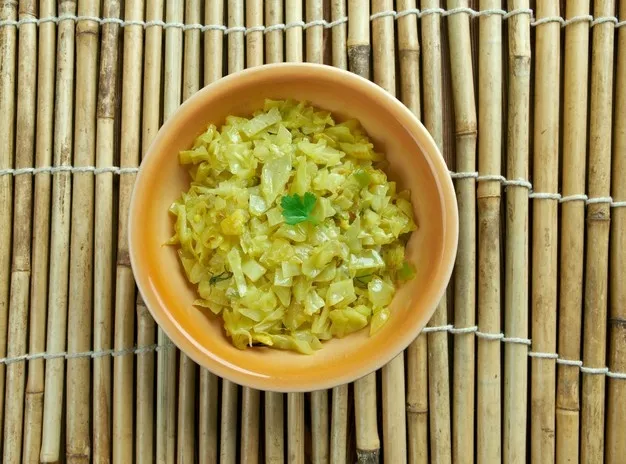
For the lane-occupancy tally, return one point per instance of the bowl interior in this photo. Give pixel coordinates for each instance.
(414, 164)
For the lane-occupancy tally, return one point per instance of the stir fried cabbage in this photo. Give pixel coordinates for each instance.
(290, 230)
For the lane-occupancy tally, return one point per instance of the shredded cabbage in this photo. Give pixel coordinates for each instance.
(289, 230)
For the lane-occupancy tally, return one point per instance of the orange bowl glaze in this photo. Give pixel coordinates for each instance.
(415, 163)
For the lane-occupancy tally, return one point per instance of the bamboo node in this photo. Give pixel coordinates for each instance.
(368, 456)
(415, 408)
(620, 322)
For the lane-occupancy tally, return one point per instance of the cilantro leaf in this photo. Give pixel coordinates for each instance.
(297, 209)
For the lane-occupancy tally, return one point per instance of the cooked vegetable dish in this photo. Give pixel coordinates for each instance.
(290, 229)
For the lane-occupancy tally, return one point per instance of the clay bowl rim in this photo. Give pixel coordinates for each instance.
(438, 169)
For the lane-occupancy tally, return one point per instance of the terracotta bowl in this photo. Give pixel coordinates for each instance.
(415, 163)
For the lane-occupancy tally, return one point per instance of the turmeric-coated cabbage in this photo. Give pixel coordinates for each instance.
(289, 230)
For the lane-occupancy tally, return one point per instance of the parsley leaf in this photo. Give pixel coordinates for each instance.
(297, 209)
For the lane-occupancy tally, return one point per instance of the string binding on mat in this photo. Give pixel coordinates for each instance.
(455, 175)
(323, 23)
(137, 350)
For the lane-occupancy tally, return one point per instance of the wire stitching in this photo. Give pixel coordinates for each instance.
(137, 350)
(454, 175)
(321, 22)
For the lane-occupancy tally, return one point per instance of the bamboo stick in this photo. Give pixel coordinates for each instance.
(417, 401)
(254, 38)
(438, 369)
(545, 222)
(314, 34)
(465, 271)
(188, 369)
(207, 414)
(166, 399)
(274, 420)
(274, 441)
(320, 444)
(393, 410)
(250, 426)
(416, 355)
(572, 232)
(274, 38)
(367, 439)
(488, 405)
(516, 260)
(186, 445)
(167, 354)
(124, 325)
(616, 419)
(293, 35)
(251, 398)
(78, 438)
(209, 386)
(228, 445)
(359, 49)
(22, 232)
(393, 389)
(103, 235)
(60, 241)
(228, 426)
(409, 54)
(339, 32)
(33, 407)
(146, 327)
(213, 40)
(598, 228)
(235, 38)
(8, 45)
(339, 425)
(295, 428)
(319, 399)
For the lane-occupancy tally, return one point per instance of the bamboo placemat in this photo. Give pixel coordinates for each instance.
(525, 361)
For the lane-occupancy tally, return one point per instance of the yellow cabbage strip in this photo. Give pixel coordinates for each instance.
(289, 230)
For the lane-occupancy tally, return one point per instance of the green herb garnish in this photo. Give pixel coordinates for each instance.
(219, 278)
(406, 272)
(297, 209)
